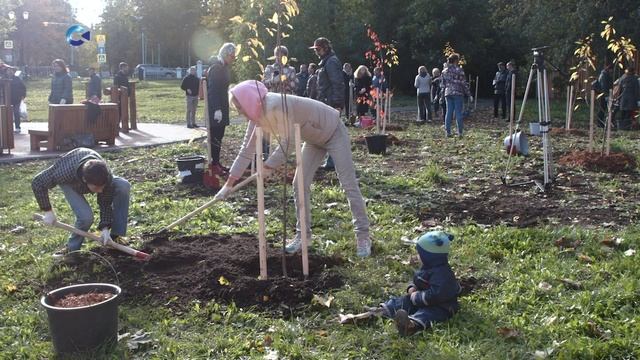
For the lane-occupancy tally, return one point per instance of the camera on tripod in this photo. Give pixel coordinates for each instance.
(538, 55)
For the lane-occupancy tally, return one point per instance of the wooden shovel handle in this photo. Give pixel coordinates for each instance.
(125, 249)
(208, 204)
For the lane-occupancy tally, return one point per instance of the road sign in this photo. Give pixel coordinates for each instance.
(102, 58)
(101, 40)
(8, 44)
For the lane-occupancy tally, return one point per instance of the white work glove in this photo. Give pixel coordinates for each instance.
(105, 236)
(223, 193)
(189, 91)
(49, 217)
(63, 101)
(217, 116)
(470, 98)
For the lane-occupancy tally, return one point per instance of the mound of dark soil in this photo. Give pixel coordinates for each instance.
(224, 268)
(613, 163)
(563, 131)
(391, 140)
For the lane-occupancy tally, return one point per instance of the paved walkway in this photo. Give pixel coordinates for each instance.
(145, 135)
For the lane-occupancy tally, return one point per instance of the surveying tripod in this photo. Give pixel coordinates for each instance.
(544, 117)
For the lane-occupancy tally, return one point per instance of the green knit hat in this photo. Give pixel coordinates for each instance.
(437, 242)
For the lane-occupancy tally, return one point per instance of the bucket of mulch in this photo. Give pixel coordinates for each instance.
(377, 144)
(82, 317)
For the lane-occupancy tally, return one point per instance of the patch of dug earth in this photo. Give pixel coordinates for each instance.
(615, 162)
(563, 131)
(568, 200)
(220, 267)
(391, 140)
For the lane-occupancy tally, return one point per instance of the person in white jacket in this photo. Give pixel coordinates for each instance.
(322, 133)
(422, 84)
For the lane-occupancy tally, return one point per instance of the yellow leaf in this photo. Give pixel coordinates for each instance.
(10, 288)
(274, 18)
(238, 49)
(237, 19)
(246, 58)
(223, 281)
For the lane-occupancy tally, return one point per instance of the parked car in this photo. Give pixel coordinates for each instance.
(154, 71)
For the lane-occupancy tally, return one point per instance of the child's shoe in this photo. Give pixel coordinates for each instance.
(405, 326)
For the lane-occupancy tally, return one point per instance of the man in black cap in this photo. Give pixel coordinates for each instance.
(330, 80)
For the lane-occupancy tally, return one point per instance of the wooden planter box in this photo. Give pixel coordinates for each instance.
(69, 120)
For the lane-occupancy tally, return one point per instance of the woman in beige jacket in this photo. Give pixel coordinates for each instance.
(322, 133)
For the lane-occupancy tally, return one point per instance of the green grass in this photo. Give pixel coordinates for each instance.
(597, 321)
(158, 101)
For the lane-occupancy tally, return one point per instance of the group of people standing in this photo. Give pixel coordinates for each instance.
(444, 89)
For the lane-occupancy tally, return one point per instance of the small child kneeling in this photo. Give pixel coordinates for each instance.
(433, 295)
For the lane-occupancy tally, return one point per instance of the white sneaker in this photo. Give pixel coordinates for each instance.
(364, 248)
(293, 245)
(17, 131)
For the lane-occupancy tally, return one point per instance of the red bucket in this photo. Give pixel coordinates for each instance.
(366, 122)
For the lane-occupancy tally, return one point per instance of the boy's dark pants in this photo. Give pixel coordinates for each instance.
(424, 316)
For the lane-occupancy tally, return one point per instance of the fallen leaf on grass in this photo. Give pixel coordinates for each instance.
(571, 284)
(508, 333)
(326, 302)
(585, 259)
(136, 340)
(223, 281)
(545, 286)
(10, 288)
(18, 230)
(630, 252)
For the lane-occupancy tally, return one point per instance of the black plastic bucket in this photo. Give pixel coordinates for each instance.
(190, 169)
(377, 144)
(83, 328)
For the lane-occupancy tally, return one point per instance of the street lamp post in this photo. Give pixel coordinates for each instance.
(20, 32)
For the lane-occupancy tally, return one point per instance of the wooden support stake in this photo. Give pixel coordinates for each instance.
(133, 109)
(569, 108)
(206, 120)
(262, 240)
(124, 109)
(475, 98)
(566, 112)
(591, 119)
(512, 104)
(302, 209)
(609, 122)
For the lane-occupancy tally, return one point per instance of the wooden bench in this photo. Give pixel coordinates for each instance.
(37, 137)
(68, 120)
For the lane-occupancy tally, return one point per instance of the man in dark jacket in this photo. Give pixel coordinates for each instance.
(18, 93)
(330, 80)
(191, 86)
(218, 79)
(629, 97)
(94, 88)
(122, 76)
(303, 78)
(79, 172)
(498, 91)
(433, 295)
(604, 84)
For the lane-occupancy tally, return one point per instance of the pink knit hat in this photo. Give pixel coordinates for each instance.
(250, 94)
